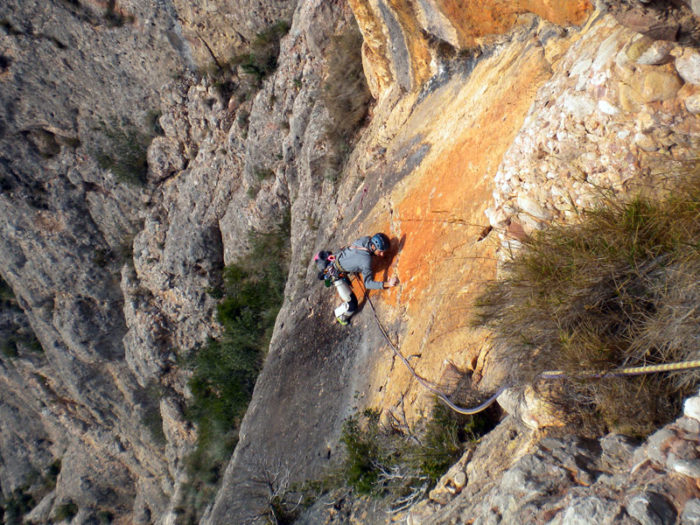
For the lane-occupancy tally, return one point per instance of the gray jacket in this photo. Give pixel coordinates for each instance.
(354, 260)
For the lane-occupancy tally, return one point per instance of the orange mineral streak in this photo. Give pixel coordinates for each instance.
(477, 18)
(438, 212)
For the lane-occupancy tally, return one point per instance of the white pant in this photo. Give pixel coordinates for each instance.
(345, 310)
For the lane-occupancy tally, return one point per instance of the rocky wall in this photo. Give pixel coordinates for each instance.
(218, 30)
(483, 117)
(71, 72)
(615, 120)
(407, 43)
(428, 170)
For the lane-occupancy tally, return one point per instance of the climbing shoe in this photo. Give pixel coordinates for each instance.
(342, 321)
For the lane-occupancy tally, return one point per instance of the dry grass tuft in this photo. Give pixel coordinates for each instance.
(345, 95)
(617, 288)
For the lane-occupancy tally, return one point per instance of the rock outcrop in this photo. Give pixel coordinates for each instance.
(135, 158)
(487, 129)
(71, 71)
(571, 480)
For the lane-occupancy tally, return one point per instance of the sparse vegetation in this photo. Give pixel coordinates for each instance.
(257, 62)
(123, 150)
(22, 500)
(262, 173)
(619, 287)
(261, 58)
(243, 118)
(16, 334)
(402, 464)
(66, 511)
(253, 190)
(115, 17)
(7, 296)
(149, 399)
(345, 95)
(51, 476)
(14, 507)
(225, 370)
(391, 462)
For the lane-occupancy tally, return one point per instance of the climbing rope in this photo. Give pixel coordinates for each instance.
(441, 395)
(627, 371)
(550, 374)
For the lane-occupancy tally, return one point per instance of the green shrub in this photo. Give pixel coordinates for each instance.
(263, 173)
(253, 190)
(19, 335)
(22, 338)
(24, 499)
(243, 119)
(225, 370)
(7, 296)
(258, 61)
(402, 464)
(66, 511)
(616, 288)
(105, 517)
(14, 507)
(443, 440)
(49, 480)
(260, 175)
(8, 347)
(124, 150)
(149, 399)
(261, 58)
(367, 455)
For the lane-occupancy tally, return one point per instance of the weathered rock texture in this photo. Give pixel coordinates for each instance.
(218, 30)
(69, 71)
(426, 170)
(573, 480)
(502, 115)
(405, 42)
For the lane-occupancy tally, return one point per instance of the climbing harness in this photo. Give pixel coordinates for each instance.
(551, 374)
(331, 271)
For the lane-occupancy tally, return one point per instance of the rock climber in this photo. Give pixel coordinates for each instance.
(356, 258)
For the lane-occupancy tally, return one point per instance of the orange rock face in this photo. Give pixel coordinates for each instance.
(437, 217)
(401, 37)
(477, 18)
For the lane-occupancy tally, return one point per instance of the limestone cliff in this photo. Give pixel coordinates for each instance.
(496, 138)
(80, 98)
(130, 177)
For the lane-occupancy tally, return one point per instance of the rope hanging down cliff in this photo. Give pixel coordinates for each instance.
(550, 374)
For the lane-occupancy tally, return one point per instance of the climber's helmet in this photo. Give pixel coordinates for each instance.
(380, 243)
